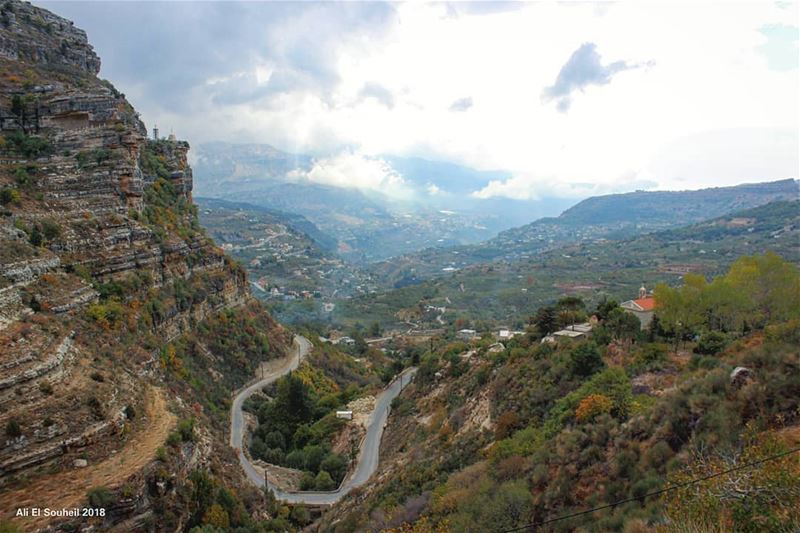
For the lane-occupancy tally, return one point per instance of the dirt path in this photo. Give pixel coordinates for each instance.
(68, 489)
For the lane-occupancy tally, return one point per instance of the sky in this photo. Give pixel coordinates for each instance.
(571, 98)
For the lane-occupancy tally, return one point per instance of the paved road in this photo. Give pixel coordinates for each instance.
(370, 447)
(300, 349)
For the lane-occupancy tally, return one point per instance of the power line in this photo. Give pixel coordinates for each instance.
(654, 493)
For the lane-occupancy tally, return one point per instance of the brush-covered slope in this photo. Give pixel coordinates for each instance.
(494, 438)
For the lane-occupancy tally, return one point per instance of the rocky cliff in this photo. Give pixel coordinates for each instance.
(103, 264)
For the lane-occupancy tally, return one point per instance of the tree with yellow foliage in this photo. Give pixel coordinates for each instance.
(216, 516)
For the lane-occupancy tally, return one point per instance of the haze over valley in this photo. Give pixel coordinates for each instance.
(337, 267)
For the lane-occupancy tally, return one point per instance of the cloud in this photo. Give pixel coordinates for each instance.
(433, 189)
(708, 159)
(781, 49)
(515, 187)
(353, 170)
(164, 53)
(582, 69)
(456, 9)
(315, 78)
(462, 104)
(378, 92)
(533, 187)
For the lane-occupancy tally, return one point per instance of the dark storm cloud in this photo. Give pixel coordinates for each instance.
(179, 56)
(462, 104)
(583, 68)
(378, 92)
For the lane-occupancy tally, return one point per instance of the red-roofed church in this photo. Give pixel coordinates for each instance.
(642, 307)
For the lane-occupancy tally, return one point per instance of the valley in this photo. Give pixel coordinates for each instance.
(291, 264)
(435, 208)
(341, 338)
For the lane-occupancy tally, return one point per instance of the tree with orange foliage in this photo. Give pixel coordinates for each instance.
(592, 406)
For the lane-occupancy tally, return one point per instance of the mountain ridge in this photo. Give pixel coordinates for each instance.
(572, 227)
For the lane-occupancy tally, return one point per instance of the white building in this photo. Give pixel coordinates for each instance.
(575, 331)
(642, 307)
(467, 334)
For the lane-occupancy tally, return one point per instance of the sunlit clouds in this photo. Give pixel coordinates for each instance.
(570, 98)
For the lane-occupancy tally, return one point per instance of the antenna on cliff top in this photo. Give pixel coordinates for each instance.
(155, 132)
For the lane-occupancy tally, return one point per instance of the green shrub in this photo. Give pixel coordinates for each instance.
(98, 155)
(300, 515)
(50, 229)
(173, 439)
(186, 430)
(13, 429)
(336, 465)
(585, 359)
(161, 454)
(711, 343)
(612, 382)
(324, 481)
(22, 177)
(28, 146)
(100, 497)
(307, 481)
(296, 459)
(9, 195)
(108, 314)
(35, 237)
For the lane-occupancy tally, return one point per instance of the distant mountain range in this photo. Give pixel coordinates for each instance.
(616, 216)
(368, 225)
(439, 224)
(506, 290)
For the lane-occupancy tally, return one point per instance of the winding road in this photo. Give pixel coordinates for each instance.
(370, 446)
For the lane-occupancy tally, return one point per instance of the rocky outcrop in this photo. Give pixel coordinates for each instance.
(35, 35)
(102, 260)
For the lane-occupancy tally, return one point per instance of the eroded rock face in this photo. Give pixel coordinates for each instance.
(101, 257)
(35, 35)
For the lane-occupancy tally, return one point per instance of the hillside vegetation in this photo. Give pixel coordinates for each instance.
(617, 216)
(123, 327)
(487, 440)
(505, 292)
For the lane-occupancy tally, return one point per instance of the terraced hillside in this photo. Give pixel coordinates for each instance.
(118, 315)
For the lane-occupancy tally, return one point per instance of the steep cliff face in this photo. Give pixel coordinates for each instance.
(36, 35)
(102, 261)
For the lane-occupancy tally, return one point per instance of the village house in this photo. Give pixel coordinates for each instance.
(348, 341)
(467, 334)
(642, 307)
(575, 331)
(506, 334)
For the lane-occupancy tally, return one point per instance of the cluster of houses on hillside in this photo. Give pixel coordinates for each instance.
(642, 308)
